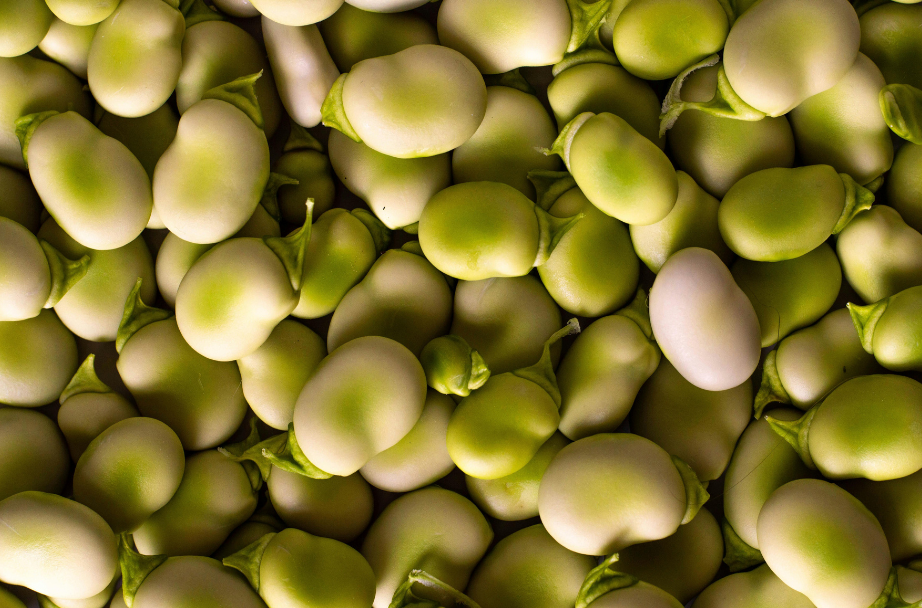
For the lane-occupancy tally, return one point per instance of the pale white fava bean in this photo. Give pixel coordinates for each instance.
(69, 45)
(297, 12)
(303, 68)
(387, 6)
(703, 322)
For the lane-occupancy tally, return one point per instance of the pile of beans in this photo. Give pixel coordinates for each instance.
(460, 303)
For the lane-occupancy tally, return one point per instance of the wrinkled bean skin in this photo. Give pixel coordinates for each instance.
(762, 462)
(528, 569)
(38, 357)
(822, 542)
(694, 290)
(889, 37)
(682, 564)
(84, 560)
(880, 254)
(781, 52)
(759, 588)
(338, 507)
(791, 294)
(431, 529)
(33, 455)
(699, 426)
(897, 505)
(843, 126)
(904, 185)
(214, 497)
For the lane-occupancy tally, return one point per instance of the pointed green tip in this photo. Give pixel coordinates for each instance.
(240, 93)
(135, 567)
(65, 273)
(26, 126)
(551, 230)
(85, 380)
(136, 316)
(901, 105)
(301, 139)
(601, 580)
(380, 234)
(638, 311)
(291, 249)
(549, 186)
(865, 319)
(512, 79)
(696, 493)
(196, 11)
(422, 590)
(270, 198)
(738, 555)
(247, 560)
(796, 433)
(771, 390)
(542, 372)
(585, 20)
(561, 145)
(452, 367)
(890, 597)
(857, 199)
(332, 112)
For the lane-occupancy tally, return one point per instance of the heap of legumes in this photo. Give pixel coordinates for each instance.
(460, 303)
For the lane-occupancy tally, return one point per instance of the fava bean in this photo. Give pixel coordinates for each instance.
(18, 199)
(904, 186)
(452, 367)
(249, 532)
(295, 12)
(23, 24)
(236, 8)
(80, 12)
(888, 37)
(758, 588)
(69, 45)
(606, 587)
(897, 505)
(303, 159)
(33, 455)
(38, 356)
(890, 329)
(387, 6)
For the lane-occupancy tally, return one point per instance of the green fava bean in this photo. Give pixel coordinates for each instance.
(69, 45)
(38, 356)
(200, 399)
(293, 568)
(100, 600)
(91, 184)
(691, 223)
(24, 24)
(303, 67)
(811, 362)
(528, 569)
(421, 457)
(303, 159)
(215, 496)
(790, 294)
(682, 564)
(910, 582)
(762, 462)
(866, 427)
(403, 297)
(236, 293)
(607, 587)
(612, 490)
(431, 529)
(364, 397)
(295, 12)
(488, 441)
(482, 230)
(601, 87)
(80, 12)
(781, 52)
(338, 507)
(33, 455)
(89, 407)
(593, 270)
(29, 85)
(343, 247)
(33, 274)
(275, 373)
(904, 186)
(880, 254)
(452, 367)
(93, 307)
(843, 126)
(215, 52)
(158, 581)
(8, 600)
(353, 35)
(174, 259)
(395, 189)
(507, 144)
(604, 368)
(236, 8)
(758, 588)
(387, 6)
(718, 151)
(822, 542)
(780, 214)
(506, 320)
(84, 560)
(897, 505)
(19, 201)
(699, 426)
(136, 57)
(501, 36)
(208, 183)
(249, 532)
(889, 37)
(129, 471)
(695, 293)
(515, 497)
(619, 170)
(422, 101)
(657, 39)
(890, 329)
